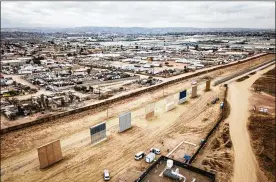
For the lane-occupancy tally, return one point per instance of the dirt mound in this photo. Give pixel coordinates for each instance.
(218, 155)
(262, 132)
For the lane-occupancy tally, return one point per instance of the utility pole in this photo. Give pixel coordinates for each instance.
(107, 112)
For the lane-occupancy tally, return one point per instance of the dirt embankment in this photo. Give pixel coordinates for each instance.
(262, 126)
(266, 83)
(262, 134)
(218, 156)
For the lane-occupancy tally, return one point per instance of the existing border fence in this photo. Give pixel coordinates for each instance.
(241, 72)
(118, 98)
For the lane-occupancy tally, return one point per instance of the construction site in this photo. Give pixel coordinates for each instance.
(132, 122)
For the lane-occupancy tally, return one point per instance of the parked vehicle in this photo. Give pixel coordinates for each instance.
(155, 151)
(215, 101)
(221, 105)
(150, 157)
(139, 155)
(106, 175)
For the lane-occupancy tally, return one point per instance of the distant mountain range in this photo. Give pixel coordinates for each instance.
(127, 30)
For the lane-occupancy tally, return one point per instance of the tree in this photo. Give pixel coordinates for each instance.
(37, 61)
(88, 71)
(185, 69)
(70, 71)
(91, 88)
(42, 100)
(62, 102)
(71, 97)
(47, 103)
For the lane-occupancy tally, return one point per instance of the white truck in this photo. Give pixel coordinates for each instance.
(150, 157)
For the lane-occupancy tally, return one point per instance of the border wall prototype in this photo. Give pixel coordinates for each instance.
(149, 110)
(49, 154)
(170, 104)
(124, 121)
(194, 91)
(182, 96)
(98, 132)
(208, 85)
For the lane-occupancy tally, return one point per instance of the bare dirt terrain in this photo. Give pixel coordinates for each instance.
(262, 126)
(246, 167)
(266, 83)
(218, 155)
(84, 162)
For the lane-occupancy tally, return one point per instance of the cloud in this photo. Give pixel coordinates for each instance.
(138, 13)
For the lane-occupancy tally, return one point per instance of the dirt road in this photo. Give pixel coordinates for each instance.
(246, 168)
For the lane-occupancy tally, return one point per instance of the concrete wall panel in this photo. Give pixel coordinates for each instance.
(42, 156)
(194, 91)
(57, 150)
(170, 99)
(124, 121)
(170, 106)
(50, 154)
(208, 85)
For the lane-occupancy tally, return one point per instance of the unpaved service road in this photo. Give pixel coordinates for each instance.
(246, 168)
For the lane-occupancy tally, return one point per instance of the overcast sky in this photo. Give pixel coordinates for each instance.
(139, 14)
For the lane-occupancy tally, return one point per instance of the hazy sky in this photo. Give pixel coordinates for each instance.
(143, 14)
